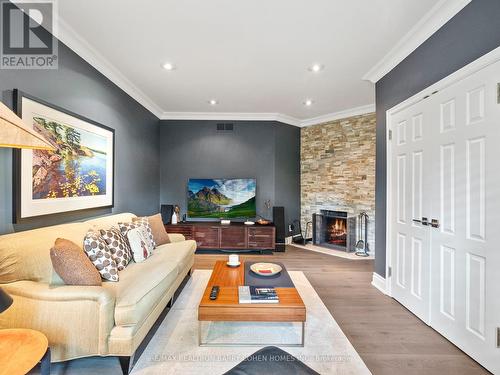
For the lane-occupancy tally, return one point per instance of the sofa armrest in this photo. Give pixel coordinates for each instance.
(176, 237)
(46, 292)
(77, 320)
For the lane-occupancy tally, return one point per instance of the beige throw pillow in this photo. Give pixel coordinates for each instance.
(160, 235)
(72, 264)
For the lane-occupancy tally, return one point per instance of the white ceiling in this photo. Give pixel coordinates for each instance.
(252, 56)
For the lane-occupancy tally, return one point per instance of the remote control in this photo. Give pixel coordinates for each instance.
(214, 293)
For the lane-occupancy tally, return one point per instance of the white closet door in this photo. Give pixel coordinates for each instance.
(465, 194)
(410, 238)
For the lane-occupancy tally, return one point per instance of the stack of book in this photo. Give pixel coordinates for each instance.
(253, 294)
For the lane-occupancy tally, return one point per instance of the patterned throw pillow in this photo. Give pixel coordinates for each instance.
(118, 245)
(144, 220)
(160, 235)
(138, 239)
(137, 222)
(100, 255)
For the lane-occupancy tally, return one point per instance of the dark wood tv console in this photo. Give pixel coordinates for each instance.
(235, 236)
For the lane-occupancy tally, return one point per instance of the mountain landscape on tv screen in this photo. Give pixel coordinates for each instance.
(221, 198)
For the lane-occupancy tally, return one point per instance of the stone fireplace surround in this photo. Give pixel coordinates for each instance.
(338, 169)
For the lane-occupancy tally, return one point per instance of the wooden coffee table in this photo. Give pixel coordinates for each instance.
(226, 308)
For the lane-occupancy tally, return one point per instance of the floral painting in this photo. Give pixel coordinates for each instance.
(77, 174)
(76, 168)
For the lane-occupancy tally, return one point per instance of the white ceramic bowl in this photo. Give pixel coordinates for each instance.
(266, 269)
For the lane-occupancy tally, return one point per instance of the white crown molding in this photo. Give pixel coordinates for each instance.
(285, 119)
(230, 116)
(72, 40)
(379, 282)
(441, 13)
(356, 111)
(243, 116)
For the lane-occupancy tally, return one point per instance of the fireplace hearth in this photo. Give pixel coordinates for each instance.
(335, 230)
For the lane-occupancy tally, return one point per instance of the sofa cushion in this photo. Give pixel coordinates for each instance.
(106, 222)
(118, 245)
(26, 255)
(72, 264)
(100, 255)
(158, 228)
(141, 246)
(176, 237)
(126, 227)
(140, 289)
(144, 221)
(180, 252)
(142, 285)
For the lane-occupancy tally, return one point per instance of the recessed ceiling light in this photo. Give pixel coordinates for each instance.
(308, 102)
(315, 68)
(168, 66)
(213, 102)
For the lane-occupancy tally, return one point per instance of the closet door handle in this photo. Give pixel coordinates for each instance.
(424, 221)
(435, 223)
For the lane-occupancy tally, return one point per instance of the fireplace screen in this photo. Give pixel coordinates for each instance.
(335, 230)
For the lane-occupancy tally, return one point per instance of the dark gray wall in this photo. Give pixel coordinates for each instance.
(287, 170)
(469, 35)
(267, 151)
(78, 87)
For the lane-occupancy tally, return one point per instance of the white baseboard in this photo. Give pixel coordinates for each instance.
(379, 282)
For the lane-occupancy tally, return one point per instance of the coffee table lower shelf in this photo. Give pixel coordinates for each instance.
(224, 344)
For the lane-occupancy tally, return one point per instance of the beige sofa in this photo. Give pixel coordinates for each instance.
(81, 321)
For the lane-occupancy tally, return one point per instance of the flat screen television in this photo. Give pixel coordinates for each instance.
(221, 198)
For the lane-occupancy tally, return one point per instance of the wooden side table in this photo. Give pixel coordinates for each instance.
(21, 350)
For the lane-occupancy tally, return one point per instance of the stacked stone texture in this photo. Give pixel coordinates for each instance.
(338, 169)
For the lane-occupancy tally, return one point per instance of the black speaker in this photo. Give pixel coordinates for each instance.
(166, 213)
(279, 223)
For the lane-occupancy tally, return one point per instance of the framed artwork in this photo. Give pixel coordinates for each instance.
(78, 175)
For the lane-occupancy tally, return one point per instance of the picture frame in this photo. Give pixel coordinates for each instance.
(78, 175)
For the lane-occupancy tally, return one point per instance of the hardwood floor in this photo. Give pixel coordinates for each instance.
(389, 339)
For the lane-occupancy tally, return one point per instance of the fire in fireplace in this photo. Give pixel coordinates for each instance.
(337, 231)
(333, 229)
